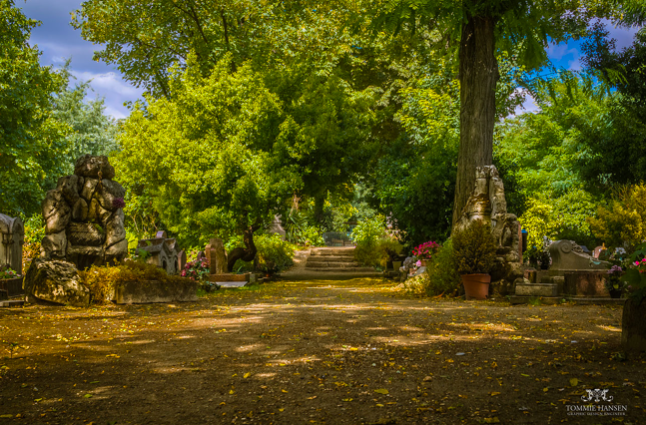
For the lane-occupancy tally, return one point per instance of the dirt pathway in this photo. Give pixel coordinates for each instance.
(348, 352)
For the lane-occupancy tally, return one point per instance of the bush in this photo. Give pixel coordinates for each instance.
(102, 280)
(443, 277)
(623, 222)
(196, 270)
(474, 249)
(373, 243)
(274, 255)
(34, 234)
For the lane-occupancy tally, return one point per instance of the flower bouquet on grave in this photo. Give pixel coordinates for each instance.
(196, 270)
(615, 283)
(8, 273)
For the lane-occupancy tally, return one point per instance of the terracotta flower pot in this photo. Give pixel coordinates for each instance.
(476, 286)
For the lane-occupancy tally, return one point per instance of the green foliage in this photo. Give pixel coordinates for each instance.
(443, 276)
(623, 222)
(300, 232)
(548, 158)
(101, 281)
(373, 243)
(196, 270)
(474, 249)
(537, 257)
(34, 234)
(32, 142)
(8, 273)
(636, 275)
(91, 131)
(219, 166)
(274, 255)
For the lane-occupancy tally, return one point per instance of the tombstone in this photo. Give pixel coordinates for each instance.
(181, 260)
(163, 252)
(216, 256)
(277, 228)
(567, 255)
(13, 238)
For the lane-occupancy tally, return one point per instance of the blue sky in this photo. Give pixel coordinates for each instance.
(58, 41)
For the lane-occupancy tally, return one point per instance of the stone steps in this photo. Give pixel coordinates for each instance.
(334, 260)
(316, 263)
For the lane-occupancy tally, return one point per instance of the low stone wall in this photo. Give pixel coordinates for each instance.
(12, 286)
(585, 283)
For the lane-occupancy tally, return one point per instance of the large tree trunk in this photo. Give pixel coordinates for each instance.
(478, 78)
(245, 254)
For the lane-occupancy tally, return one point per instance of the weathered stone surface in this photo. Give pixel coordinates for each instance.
(567, 255)
(97, 213)
(117, 251)
(94, 166)
(13, 238)
(181, 260)
(216, 256)
(110, 191)
(163, 252)
(80, 210)
(89, 188)
(585, 283)
(152, 291)
(502, 287)
(114, 229)
(54, 245)
(487, 203)
(84, 234)
(4, 295)
(55, 282)
(70, 186)
(633, 326)
(56, 212)
(536, 289)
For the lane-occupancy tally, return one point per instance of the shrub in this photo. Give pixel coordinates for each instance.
(274, 255)
(34, 234)
(474, 249)
(7, 273)
(443, 277)
(537, 257)
(102, 280)
(623, 222)
(426, 250)
(373, 243)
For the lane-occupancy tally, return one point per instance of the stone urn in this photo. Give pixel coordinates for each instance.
(476, 286)
(633, 325)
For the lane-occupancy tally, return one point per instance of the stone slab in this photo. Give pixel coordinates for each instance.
(524, 299)
(229, 277)
(152, 291)
(12, 303)
(238, 284)
(537, 289)
(4, 295)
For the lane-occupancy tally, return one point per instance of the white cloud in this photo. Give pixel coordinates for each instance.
(528, 106)
(112, 88)
(560, 51)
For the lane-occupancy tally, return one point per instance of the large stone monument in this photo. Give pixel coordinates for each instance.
(488, 203)
(12, 232)
(568, 255)
(84, 216)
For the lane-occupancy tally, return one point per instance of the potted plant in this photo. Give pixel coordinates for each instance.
(614, 282)
(474, 253)
(424, 252)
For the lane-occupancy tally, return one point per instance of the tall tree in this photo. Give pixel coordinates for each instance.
(478, 29)
(33, 147)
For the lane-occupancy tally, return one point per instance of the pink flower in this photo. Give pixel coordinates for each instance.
(183, 273)
(419, 263)
(636, 263)
(204, 264)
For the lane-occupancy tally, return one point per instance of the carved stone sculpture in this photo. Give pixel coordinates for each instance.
(84, 216)
(488, 203)
(567, 255)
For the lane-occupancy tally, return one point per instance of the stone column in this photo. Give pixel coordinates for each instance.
(216, 256)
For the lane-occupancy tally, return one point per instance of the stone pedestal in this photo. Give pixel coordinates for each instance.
(152, 291)
(584, 283)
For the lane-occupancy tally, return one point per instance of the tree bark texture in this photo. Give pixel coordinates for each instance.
(478, 78)
(245, 254)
